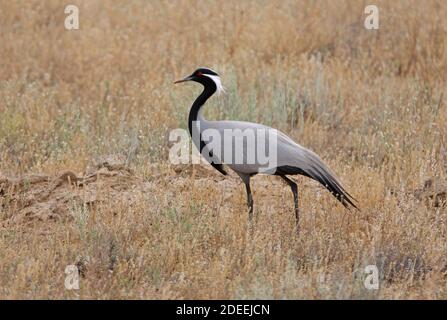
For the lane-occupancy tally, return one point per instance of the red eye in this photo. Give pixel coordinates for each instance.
(199, 73)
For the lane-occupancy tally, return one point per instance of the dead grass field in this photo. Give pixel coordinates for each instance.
(371, 103)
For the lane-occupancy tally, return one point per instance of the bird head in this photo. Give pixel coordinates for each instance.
(206, 77)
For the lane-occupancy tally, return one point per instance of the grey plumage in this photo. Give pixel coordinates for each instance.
(292, 158)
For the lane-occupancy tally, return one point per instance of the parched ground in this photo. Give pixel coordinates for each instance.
(42, 198)
(137, 237)
(85, 176)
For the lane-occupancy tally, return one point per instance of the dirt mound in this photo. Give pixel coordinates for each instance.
(433, 192)
(110, 182)
(41, 198)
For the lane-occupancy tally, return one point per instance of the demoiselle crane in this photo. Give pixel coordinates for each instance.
(285, 157)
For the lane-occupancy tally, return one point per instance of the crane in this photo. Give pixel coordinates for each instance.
(290, 158)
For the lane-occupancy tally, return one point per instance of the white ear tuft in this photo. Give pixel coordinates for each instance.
(217, 81)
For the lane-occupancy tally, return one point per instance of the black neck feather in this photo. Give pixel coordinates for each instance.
(208, 91)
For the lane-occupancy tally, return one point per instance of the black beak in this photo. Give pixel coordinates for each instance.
(189, 78)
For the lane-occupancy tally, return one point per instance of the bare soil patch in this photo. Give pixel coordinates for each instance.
(35, 198)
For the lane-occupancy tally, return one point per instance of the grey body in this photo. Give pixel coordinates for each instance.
(289, 153)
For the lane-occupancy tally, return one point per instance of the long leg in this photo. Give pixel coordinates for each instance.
(294, 188)
(246, 180)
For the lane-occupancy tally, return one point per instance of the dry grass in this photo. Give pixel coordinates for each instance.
(369, 102)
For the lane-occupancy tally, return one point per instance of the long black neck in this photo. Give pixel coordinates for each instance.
(207, 92)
